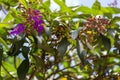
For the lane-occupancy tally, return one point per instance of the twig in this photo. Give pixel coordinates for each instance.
(32, 75)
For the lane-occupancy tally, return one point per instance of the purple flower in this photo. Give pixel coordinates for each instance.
(17, 30)
(36, 19)
(38, 25)
(37, 11)
(33, 20)
(40, 29)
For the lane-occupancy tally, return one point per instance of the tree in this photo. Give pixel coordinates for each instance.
(71, 43)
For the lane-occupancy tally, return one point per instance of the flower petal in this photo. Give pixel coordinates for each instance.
(17, 30)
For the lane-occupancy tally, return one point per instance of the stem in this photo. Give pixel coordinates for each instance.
(15, 62)
(43, 69)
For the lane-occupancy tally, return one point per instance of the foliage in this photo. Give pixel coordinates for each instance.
(78, 42)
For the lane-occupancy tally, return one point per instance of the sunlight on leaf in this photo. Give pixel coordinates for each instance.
(4, 43)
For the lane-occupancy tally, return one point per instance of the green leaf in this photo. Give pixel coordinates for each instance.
(18, 61)
(96, 8)
(16, 15)
(0, 6)
(46, 48)
(13, 2)
(74, 33)
(4, 43)
(9, 2)
(8, 18)
(23, 69)
(63, 6)
(83, 16)
(9, 66)
(1, 77)
(62, 47)
(24, 3)
(84, 9)
(114, 20)
(80, 52)
(66, 64)
(15, 48)
(110, 10)
(106, 42)
(39, 62)
(48, 31)
(109, 15)
(25, 51)
(46, 5)
(3, 25)
(111, 32)
(96, 5)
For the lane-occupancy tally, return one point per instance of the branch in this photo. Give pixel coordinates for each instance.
(62, 70)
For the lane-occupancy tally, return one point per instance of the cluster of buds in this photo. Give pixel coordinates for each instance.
(94, 26)
(97, 24)
(32, 23)
(59, 31)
